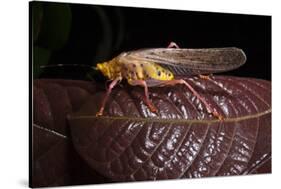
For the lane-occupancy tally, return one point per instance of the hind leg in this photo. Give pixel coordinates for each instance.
(173, 45)
(194, 92)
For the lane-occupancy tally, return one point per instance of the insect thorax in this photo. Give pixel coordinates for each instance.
(133, 68)
(110, 69)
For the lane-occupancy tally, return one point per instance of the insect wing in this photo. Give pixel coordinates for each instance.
(193, 61)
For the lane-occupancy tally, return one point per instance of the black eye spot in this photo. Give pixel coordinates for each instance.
(169, 74)
(141, 65)
(134, 65)
(159, 73)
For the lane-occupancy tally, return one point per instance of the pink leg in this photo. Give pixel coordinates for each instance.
(181, 81)
(206, 77)
(111, 86)
(209, 109)
(173, 45)
(147, 100)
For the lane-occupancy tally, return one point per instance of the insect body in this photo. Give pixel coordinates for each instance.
(157, 67)
(133, 68)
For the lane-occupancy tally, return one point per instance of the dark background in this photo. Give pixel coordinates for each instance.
(87, 34)
(72, 34)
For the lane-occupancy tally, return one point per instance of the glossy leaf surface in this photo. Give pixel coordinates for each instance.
(182, 140)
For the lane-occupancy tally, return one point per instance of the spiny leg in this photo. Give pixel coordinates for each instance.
(181, 81)
(173, 45)
(111, 86)
(147, 100)
(206, 77)
(209, 109)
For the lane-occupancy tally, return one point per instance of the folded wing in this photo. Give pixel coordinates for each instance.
(193, 61)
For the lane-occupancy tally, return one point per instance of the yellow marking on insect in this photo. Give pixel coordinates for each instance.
(110, 69)
(134, 70)
(157, 72)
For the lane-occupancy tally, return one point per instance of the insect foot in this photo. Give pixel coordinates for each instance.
(99, 113)
(152, 108)
(217, 115)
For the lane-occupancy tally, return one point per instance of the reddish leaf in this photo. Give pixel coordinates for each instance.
(55, 162)
(183, 140)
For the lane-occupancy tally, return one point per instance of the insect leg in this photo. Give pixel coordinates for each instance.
(111, 86)
(173, 45)
(206, 77)
(209, 109)
(147, 100)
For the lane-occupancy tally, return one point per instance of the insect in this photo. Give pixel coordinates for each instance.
(157, 67)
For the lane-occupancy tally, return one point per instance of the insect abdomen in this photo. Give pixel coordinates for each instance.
(143, 70)
(157, 72)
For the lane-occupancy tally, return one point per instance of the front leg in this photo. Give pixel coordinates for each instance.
(146, 99)
(111, 86)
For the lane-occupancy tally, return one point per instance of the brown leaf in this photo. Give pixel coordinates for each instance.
(182, 140)
(54, 160)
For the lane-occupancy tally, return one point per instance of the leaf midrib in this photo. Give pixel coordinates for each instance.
(160, 120)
